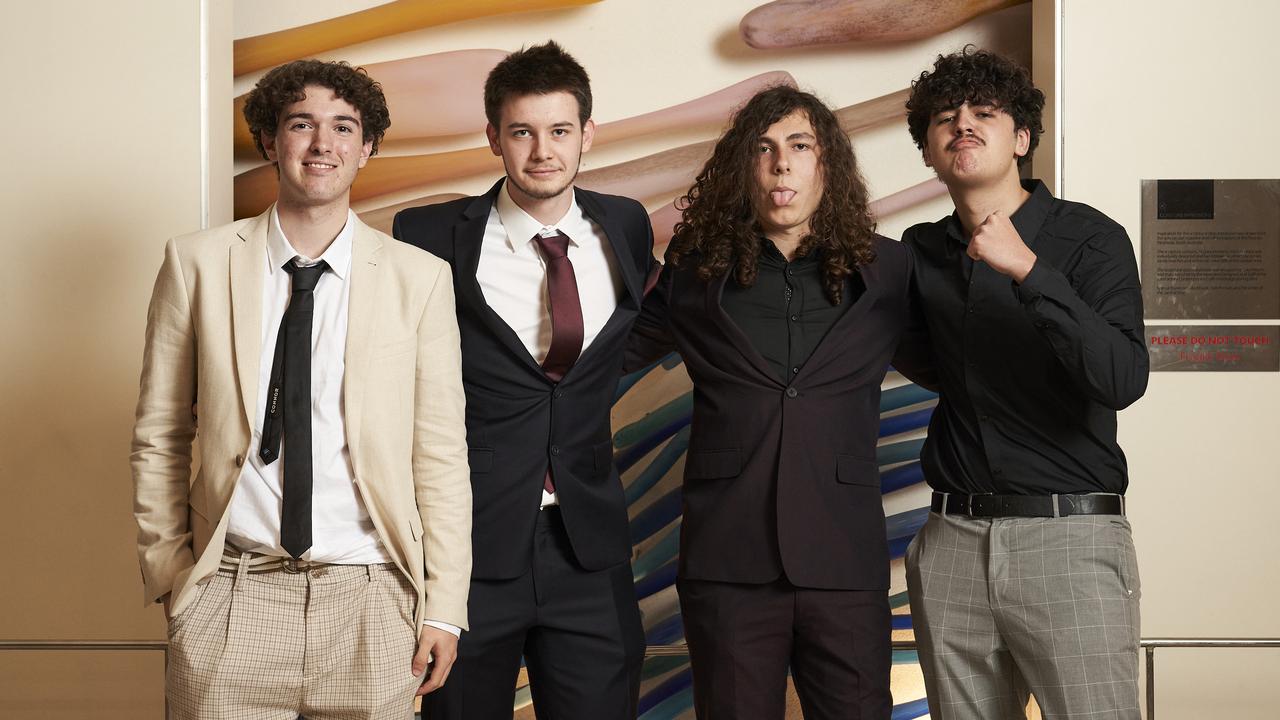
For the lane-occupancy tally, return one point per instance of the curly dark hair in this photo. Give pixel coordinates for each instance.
(536, 70)
(977, 77)
(284, 85)
(719, 223)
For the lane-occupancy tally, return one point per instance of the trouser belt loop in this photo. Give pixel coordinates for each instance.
(943, 511)
(1057, 511)
(242, 570)
(368, 569)
(1123, 510)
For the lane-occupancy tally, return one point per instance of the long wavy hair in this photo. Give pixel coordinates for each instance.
(719, 228)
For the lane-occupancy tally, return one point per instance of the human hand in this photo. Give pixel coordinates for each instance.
(438, 649)
(997, 243)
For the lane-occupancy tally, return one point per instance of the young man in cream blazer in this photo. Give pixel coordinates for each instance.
(372, 590)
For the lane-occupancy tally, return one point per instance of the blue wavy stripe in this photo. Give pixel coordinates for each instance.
(629, 456)
(907, 421)
(665, 689)
(906, 657)
(656, 516)
(671, 708)
(656, 581)
(897, 452)
(658, 467)
(658, 554)
(666, 632)
(910, 710)
(661, 665)
(898, 600)
(898, 547)
(903, 396)
(901, 622)
(628, 381)
(901, 477)
(905, 524)
(672, 411)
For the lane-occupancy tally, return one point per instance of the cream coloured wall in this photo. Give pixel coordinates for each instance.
(1183, 89)
(102, 163)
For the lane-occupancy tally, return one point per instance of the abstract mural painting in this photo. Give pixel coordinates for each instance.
(698, 64)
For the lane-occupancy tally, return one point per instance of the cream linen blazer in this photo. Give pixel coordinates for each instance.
(402, 393)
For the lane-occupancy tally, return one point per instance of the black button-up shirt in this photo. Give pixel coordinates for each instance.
(1030, 376)
(785, 314)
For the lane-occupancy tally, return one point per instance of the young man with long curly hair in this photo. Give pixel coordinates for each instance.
(786, 307)
(1023, 578)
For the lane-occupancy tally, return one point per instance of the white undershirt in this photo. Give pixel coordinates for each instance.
(513, 276)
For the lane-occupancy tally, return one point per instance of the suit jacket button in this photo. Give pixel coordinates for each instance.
(239, 461)
(792, 392)
(555, 449)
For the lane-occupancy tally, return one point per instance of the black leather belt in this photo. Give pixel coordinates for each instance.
(992, 506)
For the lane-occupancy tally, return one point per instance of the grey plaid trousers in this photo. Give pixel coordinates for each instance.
(1010, 606)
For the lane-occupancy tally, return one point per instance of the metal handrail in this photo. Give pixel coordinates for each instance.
(1149, 646)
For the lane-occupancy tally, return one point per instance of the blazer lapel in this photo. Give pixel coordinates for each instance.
(246, 260)
(632, 277)
(468, 236)
(721, 319)
(366, 251)
(871, 289)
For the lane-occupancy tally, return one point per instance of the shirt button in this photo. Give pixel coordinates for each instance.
(997, 471)
(239, 461)
(970, 309)
(790, 271)
(795, 369)
(555, 449)
(795, 318)
(558, 394)
(985, 418)
(792, 392)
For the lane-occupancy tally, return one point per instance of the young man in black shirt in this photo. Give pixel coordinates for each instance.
(1023, 579)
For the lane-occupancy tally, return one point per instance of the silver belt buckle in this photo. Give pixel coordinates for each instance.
(292, 566)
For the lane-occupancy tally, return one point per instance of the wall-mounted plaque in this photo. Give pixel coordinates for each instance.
(1254, 348)
(1211, 249)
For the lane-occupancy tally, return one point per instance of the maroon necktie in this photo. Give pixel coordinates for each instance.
(566, 314)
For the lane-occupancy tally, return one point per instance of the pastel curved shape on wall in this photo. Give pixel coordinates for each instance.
(255, 189)
(676, 168)
(393, 18)
(381, 218)
(799, 23)
(717, 107)
(903, 199)
(414, 88)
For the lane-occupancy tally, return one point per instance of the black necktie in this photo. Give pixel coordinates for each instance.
(289, 408)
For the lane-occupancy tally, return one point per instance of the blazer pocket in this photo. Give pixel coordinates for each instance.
(603, 453)
(709, 464)
(480, 460)
(853, 470)
(415, 527)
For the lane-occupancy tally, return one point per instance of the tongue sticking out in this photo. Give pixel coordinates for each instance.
(782, 197)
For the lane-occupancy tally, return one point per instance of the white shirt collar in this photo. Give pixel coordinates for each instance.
(521, 226)
(338, 254)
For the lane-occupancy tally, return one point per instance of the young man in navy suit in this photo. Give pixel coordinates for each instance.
(549, 279)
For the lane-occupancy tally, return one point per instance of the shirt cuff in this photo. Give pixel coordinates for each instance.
(1033, 285)
(453, 630)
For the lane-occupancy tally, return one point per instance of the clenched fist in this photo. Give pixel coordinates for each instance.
(997, 243)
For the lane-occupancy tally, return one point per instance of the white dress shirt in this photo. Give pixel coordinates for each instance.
(513, 276)
(341, 531)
